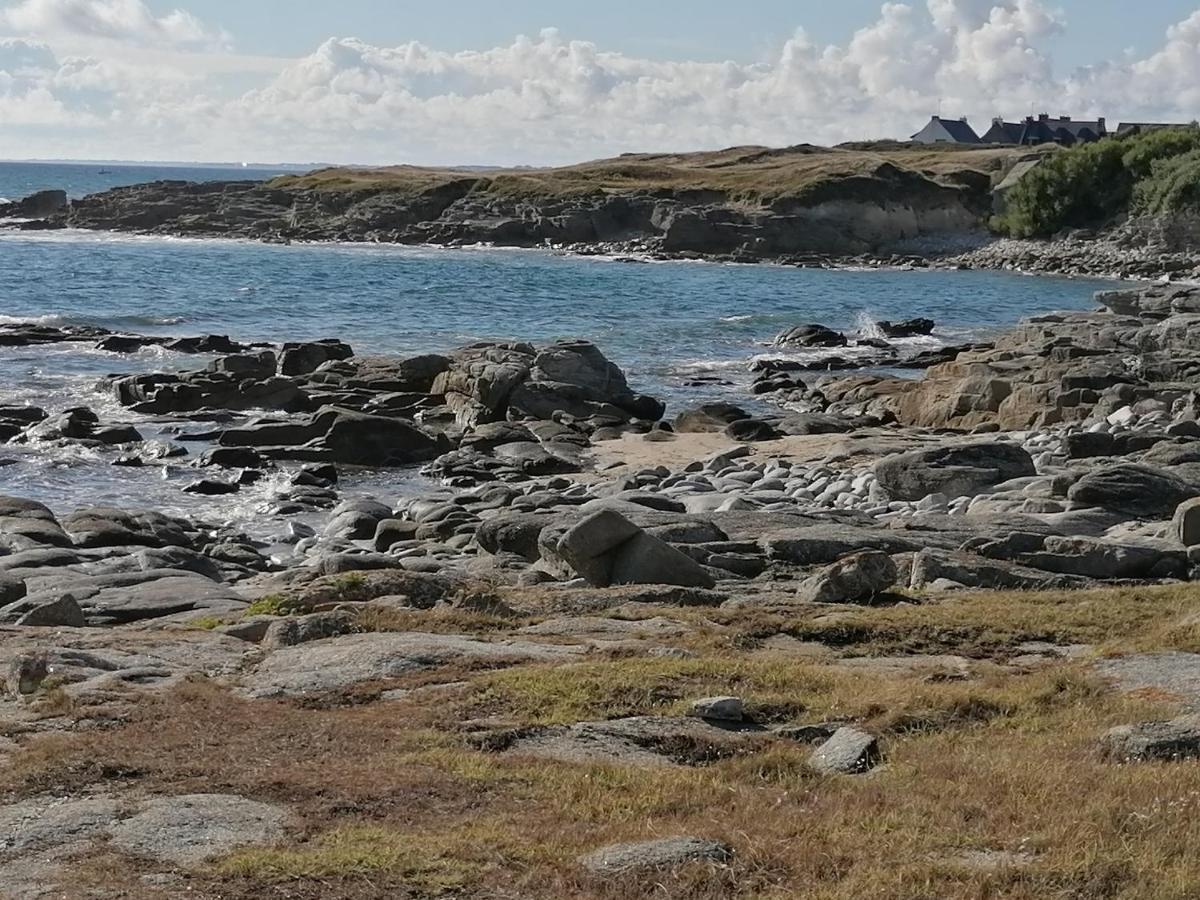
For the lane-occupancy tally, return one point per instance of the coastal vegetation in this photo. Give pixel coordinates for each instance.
(741, 173)
(1156, 173)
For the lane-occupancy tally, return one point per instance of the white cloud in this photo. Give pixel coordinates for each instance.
(115, 20)
(547, 99)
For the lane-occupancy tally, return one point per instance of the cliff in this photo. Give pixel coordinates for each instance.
(748, 202)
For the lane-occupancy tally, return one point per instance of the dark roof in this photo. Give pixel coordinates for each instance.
(1004, 133)
(957, 130)
(1045, 130)
(960, 131)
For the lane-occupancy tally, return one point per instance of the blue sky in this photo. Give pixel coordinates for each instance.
(710, 30)
(380, 81)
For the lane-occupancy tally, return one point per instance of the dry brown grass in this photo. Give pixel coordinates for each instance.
(743, 173)
(392, 802)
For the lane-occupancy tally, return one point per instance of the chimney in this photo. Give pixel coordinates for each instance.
(1064, 118)
(1103, 125)
(963, 119)
(1044, 117)
(999, 120)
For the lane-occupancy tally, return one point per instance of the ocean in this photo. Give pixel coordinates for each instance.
(20, 179)
(664, 323)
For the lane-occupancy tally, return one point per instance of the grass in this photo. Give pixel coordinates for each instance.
(389, 799)
(982, 625)
(753, 174)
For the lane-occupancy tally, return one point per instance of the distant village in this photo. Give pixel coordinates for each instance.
(1033, 131)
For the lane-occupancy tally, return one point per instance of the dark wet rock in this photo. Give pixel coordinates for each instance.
(307, 357)
(753, 431)
(210, 487)
(1133, 490)
(232, 458)
(907, 328)
(650, 856)
(257, 366)
(363, 440)
(117, 434)
(810, 336)
(858, 578)
(1153, 741)
(953, 471)
(77, 424)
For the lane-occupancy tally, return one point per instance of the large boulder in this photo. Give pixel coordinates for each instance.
(358, 439)
(953, 471)
(1163, 741)
(606, 548)
(810, 336)
(1138, 491)
(857, 578)
(303, 358)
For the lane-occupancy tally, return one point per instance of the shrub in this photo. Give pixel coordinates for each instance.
(1089, 185)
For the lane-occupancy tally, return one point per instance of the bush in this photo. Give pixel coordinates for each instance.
(1089, 185)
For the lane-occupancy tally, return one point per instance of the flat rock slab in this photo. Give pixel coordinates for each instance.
(1145, 741)
(620, 859)
(1172, 672)
(354, 659)
(83, 658)
(188, 830)
(183, 831)
(646, 741)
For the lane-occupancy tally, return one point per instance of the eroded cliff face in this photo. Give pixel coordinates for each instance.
(859, 213)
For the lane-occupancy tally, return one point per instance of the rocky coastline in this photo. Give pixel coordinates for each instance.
(1063, 456)
(1056, 455)
(902, 226)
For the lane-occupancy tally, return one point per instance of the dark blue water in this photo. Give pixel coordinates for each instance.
(661, 321)
(19, 180)
(664, 323)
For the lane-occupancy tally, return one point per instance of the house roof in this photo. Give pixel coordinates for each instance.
(959, 130)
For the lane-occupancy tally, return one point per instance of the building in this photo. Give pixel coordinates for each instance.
(1045, 130)
(946, 131)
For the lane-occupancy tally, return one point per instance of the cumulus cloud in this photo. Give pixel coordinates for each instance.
(117, 20)
(550, 99)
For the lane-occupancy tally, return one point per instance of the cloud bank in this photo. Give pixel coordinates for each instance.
(108, 78)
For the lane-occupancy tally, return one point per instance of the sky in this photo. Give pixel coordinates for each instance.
(536, 82)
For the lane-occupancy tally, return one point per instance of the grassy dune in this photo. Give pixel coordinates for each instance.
(751, 173)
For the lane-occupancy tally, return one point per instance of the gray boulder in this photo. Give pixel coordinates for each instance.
(953, 471)
(1186, 523)
(606, 549)
(857, 578)
(1138, 491)
(1166, 741)
(63, 612)
(849, 752)
(648, 856)
(302, 629)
